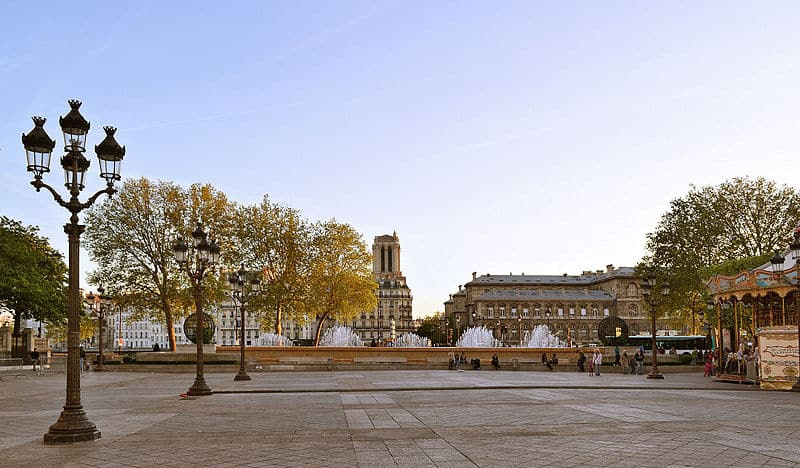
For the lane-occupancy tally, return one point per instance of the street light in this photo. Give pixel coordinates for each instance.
(238, 280)
(777, 267)
(72, 424)
(100, 304)
(519, 321)
(197, 260)
(547, 316)
(647, 287)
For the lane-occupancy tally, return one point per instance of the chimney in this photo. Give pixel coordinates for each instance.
(609, 268)
(510, 273)
(474, 274)
(565, 275)
(459, 288)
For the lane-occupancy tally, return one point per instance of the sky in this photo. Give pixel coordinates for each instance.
(497, 137)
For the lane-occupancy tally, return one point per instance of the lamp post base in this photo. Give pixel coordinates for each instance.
(72, 426)
(796, 386)
(654, 374)
(242, 375)
(199, 388)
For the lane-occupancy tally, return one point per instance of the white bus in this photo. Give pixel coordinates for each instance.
(683, 344)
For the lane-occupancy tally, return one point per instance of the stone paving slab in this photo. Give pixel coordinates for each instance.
(405, 419)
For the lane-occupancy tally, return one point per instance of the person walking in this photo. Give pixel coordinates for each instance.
(495, 362)
(452, 357)
(709, 366)
(616, 356)
(35, 359)
(625, 362)
(598, 361)
(83, 357)
(581, 361)
(639, 360)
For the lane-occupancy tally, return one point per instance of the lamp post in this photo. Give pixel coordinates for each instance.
(100, 304)
(238, 280)
(458, 329)
(197, 260)
(777, 267)
(547, 316)
(72, 424)
(647, 288)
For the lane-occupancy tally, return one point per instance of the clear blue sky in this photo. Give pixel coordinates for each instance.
(544, 137)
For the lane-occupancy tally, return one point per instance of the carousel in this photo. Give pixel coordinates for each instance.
(758, 311)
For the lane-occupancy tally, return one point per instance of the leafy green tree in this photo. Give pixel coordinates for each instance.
(431, 327)
(130, 237)
(33, 276)
(341, 284)
(728, 224)
(274, 238)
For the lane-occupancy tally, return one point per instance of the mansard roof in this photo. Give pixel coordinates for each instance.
(547, 295)
(586, 279)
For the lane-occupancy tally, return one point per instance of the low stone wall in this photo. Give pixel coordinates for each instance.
(431, 358)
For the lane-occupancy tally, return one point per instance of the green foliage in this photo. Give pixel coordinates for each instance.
(130, 237)
(722, 229)
(341, 285)
(274, 238)
(431, 327)
(33, 276)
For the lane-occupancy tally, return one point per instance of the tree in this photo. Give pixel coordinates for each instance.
(737, 220)
(341, 284)
(130, 237)
(275, 238)
(431, 327)
(33, 276)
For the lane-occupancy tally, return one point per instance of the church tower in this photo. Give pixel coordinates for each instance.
(392, 317)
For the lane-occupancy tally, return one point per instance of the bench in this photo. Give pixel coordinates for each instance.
(303, 360)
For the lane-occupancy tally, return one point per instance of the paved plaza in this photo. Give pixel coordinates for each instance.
(405, 418)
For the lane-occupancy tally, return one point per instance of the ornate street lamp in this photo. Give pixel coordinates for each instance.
(547, 316)
(777, 267)
(100, 304)
(243, 285)
(197, 260)
(647, 288)
(72, 424)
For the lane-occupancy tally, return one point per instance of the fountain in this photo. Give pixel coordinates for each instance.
(478, 337)
(271, 339)
(340, 335)
(541, 337)
(412, 340)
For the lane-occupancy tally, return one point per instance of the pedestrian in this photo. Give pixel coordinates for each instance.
(616, 355)
(581, 361)
(35, 359)
(598, 361)
(452, 358)
(625, 362)
(639, 360)
(544, 358)
(591, 365)
(709, 366)
(461, 359)
(83, 357)
(495, 362)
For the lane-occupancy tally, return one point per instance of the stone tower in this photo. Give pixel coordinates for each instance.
(392, 317)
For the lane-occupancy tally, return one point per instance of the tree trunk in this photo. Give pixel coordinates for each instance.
(173, 345)
(278, 324)
(319, 328)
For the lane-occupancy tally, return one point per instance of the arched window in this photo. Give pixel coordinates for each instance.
(633, 310)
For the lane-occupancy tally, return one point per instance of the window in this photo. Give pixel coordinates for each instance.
(490, 312)
(633, 310)
(525, 313)
(605, 311)
(571, 311)
(560, 312)
(594, 312)
(502, 311)
(583, 311)
(632, 289)
(514, 312)
(537, 312)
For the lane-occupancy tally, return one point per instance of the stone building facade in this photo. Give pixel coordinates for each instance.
(512, 305)
(392, 316)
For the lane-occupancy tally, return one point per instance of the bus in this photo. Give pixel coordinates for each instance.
(684, 344)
